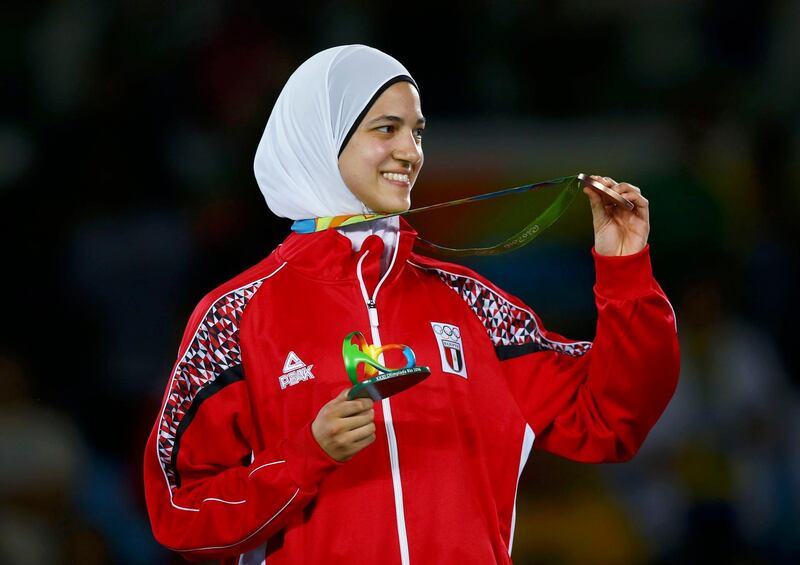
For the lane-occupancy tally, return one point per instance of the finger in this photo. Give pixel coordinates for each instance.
(611, 183)
(359, 434)
(352, 407)
(603, 206)
(605, 181)
(336, 400)
(359, 420)
(631, 193)
(625, 187)
(596, 201)
(641, 206)
(362, 443)
(628, 191)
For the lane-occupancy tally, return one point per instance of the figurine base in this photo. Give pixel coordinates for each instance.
(389, 384)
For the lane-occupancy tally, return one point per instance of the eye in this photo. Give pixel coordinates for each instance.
(385, 129)
(418, 132)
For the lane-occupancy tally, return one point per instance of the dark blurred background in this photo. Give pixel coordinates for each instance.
(127, 133)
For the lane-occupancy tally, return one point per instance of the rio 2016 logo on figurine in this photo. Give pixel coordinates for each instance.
(380, 381)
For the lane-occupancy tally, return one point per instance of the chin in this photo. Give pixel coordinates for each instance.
(392, 206)
(395, 208)
(390, 210)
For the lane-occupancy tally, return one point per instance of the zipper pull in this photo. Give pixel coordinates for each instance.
(373, 313)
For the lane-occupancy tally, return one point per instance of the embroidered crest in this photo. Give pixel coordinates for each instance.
(451, 348)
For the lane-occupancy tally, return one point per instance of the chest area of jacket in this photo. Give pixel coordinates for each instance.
(292, 344)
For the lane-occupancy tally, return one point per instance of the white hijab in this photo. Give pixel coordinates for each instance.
(297, 160)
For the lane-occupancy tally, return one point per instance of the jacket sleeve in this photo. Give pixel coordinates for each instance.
(211, 492)
(596, 402)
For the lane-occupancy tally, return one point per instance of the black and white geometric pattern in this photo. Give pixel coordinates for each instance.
(505, 323)
(213, 350)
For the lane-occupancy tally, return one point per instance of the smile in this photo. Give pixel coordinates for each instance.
(396, 177)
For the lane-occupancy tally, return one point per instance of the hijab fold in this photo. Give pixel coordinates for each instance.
(296, 163)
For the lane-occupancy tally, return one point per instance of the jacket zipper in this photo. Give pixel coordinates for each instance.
(394, 460)
(372, 310)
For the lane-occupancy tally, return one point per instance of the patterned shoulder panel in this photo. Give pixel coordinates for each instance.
(213, 356)
(513, 329)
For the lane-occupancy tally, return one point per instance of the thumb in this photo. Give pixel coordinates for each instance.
(341, 397)
(596, 203)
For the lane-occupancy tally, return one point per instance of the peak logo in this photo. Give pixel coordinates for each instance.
(294, 371)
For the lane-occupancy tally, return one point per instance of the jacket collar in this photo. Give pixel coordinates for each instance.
(328, 255)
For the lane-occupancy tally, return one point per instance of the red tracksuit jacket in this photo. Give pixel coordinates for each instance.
(232, 470)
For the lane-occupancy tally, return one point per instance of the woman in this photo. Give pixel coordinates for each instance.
(257, 453)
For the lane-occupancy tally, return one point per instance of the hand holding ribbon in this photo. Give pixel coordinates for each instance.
(617, 230)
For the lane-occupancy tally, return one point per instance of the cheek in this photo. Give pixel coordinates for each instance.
(373, 156)
(364, 160)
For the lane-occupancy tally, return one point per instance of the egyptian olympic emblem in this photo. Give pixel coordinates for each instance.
(451, 348)
(447, 331)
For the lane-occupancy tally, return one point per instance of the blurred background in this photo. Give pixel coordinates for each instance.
(127, 132)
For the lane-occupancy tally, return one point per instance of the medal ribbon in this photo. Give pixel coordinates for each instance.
(568, 188)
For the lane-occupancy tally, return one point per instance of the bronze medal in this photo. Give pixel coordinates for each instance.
(610, 196)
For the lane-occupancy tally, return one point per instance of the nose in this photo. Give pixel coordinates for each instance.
(408, 149)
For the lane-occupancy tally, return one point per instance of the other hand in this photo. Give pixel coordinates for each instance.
(344, 427)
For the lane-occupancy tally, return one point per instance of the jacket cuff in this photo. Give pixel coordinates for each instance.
(623, 277)
(306, 461)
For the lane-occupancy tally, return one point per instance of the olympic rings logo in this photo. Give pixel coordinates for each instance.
(447, 331)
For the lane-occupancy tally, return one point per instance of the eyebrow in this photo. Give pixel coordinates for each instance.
(395, 119)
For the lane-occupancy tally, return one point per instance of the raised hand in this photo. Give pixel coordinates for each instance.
(617, 230)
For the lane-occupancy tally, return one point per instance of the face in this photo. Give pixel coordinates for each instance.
(384, 155)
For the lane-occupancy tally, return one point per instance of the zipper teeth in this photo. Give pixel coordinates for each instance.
(391, 438)
(396, 482)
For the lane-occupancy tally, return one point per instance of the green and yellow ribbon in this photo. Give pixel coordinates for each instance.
(568, 188)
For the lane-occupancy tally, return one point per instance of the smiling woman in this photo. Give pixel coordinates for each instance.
(383, 157)
(259, 456)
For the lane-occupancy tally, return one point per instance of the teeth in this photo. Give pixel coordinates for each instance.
(396, 176)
